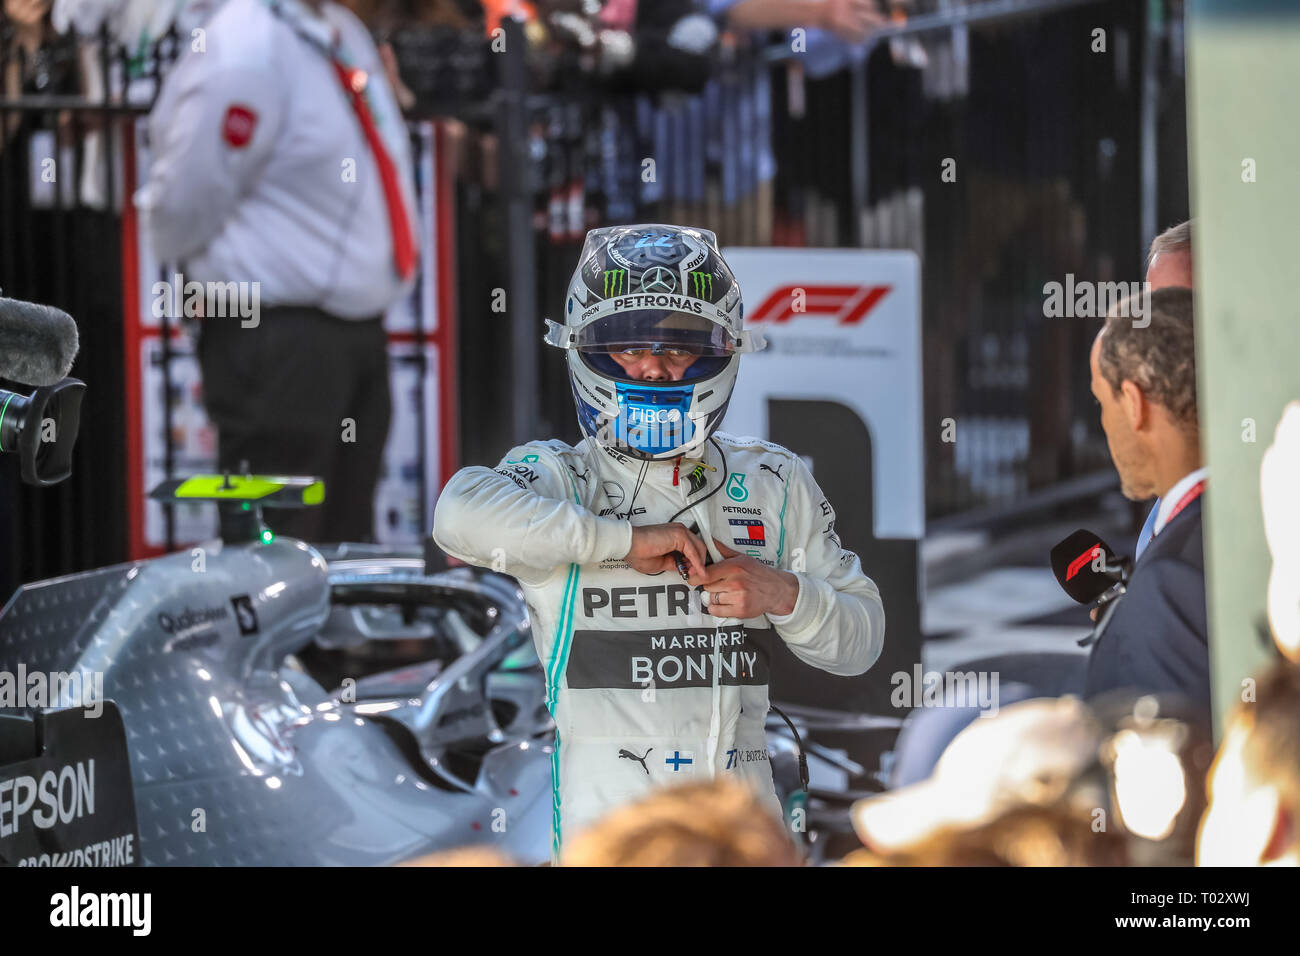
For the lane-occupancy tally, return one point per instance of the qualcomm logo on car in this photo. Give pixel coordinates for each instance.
(190, 619)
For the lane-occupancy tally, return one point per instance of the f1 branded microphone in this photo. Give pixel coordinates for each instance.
(1086, 567)
(37, 343)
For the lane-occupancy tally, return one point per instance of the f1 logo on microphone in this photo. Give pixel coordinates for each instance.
(1082, 561)
(847, 304)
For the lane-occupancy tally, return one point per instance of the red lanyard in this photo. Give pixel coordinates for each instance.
(354, 81)
(1193, 493)
(354, 84)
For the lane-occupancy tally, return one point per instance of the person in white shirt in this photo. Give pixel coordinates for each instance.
(281, 160)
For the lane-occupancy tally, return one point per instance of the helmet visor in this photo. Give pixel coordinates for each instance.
(657, 332)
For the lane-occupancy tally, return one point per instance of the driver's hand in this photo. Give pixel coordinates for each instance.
(743, 587)
(653, 546)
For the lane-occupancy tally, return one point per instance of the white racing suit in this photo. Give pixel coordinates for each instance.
(646, 688)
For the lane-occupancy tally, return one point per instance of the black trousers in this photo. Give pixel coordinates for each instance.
(302, 393)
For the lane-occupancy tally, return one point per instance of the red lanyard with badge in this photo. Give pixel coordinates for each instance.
(1192, 494)
(354, 82)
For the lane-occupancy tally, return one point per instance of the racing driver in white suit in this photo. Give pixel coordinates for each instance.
(660, 558)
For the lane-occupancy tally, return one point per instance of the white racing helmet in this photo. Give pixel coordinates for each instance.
(665, 289)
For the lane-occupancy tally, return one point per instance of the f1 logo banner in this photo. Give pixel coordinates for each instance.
(840, 384)
(842, 326)
(846, 304)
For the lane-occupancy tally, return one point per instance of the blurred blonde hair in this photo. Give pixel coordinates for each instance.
(464, 856)
(719, 823)
(1056, 835)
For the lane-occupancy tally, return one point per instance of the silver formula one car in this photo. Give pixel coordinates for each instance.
(282, 709)
(285, 704)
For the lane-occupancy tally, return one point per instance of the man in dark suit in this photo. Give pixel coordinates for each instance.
(1144, 380)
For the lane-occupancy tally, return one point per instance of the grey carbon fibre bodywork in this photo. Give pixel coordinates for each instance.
(240, 757)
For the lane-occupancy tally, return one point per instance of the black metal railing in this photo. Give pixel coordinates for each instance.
(1053, 161)
(65, 111)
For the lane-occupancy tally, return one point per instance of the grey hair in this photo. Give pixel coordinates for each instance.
(1159, 357)
(1174, 239)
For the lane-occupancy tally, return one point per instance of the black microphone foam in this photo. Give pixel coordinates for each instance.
(37, 343)
(1073, 563)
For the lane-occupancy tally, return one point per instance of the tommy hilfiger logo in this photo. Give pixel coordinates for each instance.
(628, 755)
(751, 531)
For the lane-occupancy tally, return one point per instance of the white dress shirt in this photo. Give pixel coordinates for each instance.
(1169, 501)
(293, 199)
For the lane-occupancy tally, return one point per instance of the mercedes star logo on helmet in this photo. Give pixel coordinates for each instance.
(658, 279)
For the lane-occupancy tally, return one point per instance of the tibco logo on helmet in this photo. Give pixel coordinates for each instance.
(686, 304)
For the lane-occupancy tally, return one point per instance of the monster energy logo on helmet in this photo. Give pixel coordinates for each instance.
(702, 285)
(614, 281)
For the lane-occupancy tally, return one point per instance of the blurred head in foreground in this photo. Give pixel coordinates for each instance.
(465, 856)
(1056, 835)
(1279, 477)
(1254, 786)
(1052, 778)
(1029, 754)
(1157, 751)
(720, 823)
